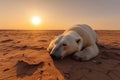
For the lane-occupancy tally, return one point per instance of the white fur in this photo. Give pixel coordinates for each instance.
(80, 41)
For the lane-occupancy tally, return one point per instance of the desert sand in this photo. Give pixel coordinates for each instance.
(23, 56)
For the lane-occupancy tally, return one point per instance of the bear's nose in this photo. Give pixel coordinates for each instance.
(55, 56)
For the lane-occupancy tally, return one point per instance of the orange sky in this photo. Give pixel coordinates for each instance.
(60, 14)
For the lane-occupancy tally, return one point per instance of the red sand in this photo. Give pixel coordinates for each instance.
(23, 56)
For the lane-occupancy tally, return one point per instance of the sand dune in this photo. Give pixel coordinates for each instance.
(23, 56)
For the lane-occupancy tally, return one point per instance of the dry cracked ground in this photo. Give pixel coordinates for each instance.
(23, 56)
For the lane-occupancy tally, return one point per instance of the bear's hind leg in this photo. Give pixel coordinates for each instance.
(87, 53)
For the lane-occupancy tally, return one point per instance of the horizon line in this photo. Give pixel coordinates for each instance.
(50, 29)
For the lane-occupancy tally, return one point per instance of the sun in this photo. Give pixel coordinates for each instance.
(36, 20)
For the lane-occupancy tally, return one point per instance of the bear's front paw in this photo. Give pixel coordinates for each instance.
(80, 56)
(76, 58)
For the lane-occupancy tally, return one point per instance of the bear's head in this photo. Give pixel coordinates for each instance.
(65, 44)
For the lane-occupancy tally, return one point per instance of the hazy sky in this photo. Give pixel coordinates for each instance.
(60, 14)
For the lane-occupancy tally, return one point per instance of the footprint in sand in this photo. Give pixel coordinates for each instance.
(25, 69)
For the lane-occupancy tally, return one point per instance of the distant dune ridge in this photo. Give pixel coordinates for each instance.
(23, 56)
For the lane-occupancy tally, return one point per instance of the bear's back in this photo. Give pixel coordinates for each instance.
(85, 31)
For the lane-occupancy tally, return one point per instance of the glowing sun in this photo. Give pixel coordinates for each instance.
(36, 20)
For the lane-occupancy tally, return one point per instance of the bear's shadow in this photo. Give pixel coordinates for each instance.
(67, 65)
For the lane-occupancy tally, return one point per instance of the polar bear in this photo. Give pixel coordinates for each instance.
(80, 41)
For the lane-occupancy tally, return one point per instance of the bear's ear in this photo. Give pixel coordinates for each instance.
(78, 41)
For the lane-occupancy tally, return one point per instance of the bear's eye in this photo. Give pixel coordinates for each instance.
(78, 40)
(64, 44)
